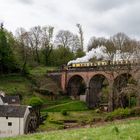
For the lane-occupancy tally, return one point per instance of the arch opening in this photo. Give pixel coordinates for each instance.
(98, 91)
(124, 93)
(76, 86)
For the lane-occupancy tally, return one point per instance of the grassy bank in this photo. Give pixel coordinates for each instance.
(70, 106)
(127, 130)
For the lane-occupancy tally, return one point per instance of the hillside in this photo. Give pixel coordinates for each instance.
(30, 85)
(126, 130)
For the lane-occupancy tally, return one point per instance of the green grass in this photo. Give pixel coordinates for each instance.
(41, 70)
(70, 106)
(63, 100)
(128, 130)
(55, 120)
(14, 83)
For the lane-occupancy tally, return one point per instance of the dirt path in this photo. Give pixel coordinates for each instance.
(102, 123)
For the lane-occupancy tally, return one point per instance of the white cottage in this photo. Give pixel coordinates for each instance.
(13, 120)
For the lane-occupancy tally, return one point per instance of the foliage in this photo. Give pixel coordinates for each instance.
(120, 113)
(41, 70)
(35, 102)
(60, 56)
(64, 112)
(7, 60)
(15, 84)
(79, 53)
(135, 111)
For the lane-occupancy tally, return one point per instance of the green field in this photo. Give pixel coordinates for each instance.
(70, 106)
(126, 130)
(41, 70)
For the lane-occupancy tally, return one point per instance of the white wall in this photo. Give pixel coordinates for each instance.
(83, 98)
(26, 116)
(1, 102)
(17, 127)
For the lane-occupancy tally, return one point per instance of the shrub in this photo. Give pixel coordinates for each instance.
(115, 129)
(64, 112)
(36, 102)
(135, 111)
(119, 113)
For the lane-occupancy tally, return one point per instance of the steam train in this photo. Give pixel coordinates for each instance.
(101, 63)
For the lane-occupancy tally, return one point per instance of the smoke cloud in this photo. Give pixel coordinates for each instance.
(98, 53)
(101, 53)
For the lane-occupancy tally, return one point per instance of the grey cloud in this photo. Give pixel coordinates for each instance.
(26, 1)
(116, 17)
(104, 5)
(98, 17)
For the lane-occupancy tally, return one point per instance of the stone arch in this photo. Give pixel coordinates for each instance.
(96, 96)
(120, 85)
(76, 86)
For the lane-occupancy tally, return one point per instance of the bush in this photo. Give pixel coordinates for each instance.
(115, 129)
(36, 102)
(119, 113)
(64, 112)
(135, 111)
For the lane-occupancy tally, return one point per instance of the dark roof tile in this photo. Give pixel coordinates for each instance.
(11, 99)
(12, 111)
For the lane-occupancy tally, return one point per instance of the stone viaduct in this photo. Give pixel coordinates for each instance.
(87, 83)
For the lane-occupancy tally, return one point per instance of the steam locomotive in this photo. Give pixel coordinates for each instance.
(100, 63)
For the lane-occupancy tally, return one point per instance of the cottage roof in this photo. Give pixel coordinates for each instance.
(12, 111)
(11, 99)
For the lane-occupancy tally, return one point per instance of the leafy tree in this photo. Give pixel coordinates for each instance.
(7, 60)
(61, 56)
(79, 53)
(36, 103)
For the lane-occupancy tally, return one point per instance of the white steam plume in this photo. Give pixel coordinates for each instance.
(101, 52)
(98, 53)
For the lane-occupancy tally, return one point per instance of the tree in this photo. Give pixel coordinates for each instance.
(36, 103)
(35, 35)
(81, 36)
(79, 53)
(47, 45)
(96, 42)
(67, 39)
(60, 56)
(7, 60)
(120, 40)
(23, 43)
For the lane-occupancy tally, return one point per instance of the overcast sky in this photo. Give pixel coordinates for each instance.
(98, 17)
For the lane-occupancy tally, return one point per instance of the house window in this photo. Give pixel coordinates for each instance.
(9, 123)
(6, 117)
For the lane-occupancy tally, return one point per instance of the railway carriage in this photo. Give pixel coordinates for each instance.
(100, 63)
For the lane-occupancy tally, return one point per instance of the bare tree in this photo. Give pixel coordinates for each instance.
(22, 37)
(67, 40)
(81, 36)
(47, 45)
(95, 42)
(36, 34)
(120, 40)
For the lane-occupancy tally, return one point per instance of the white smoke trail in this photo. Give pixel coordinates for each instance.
(98, 53)
(101, 52)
